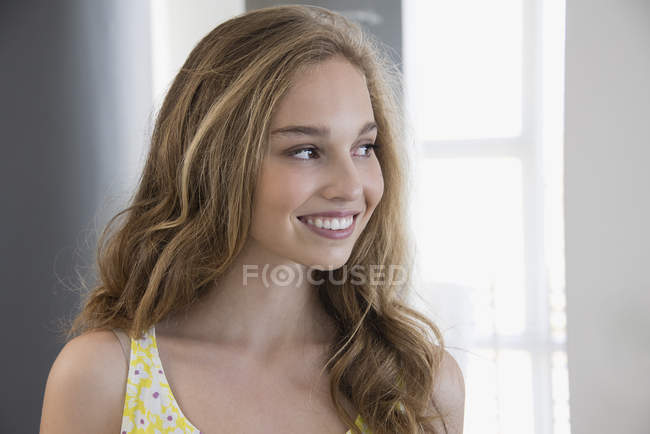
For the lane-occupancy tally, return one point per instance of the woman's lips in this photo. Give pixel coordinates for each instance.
(337, 214)
(331, 234)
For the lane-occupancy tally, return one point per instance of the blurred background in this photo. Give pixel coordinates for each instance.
(530, 140)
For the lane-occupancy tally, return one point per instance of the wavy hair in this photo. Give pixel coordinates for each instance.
(191, 212)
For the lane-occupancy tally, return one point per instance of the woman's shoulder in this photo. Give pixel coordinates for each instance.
(85, 386)
(449, 393)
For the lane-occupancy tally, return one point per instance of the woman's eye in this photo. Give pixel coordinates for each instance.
(369, 147)
(303, 152)
(312, 153)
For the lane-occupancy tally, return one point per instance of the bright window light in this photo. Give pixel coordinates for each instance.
(467, 68)
(484, 93)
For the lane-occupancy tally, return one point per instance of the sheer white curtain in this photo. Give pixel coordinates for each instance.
(484, 87)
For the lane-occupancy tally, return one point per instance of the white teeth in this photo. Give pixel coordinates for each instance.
(331, 223)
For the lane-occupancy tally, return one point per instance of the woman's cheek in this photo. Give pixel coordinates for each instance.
(282, 189)
(374, 186)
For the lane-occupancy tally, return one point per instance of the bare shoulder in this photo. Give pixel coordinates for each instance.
(85, 387)
(449, 394)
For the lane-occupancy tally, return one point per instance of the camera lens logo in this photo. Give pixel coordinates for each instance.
(282, 275)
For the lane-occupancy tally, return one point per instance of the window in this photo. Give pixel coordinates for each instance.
(484, 93)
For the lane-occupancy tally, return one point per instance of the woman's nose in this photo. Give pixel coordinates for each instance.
(343, 180)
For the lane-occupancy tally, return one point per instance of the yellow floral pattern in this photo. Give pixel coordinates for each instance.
(149, 405)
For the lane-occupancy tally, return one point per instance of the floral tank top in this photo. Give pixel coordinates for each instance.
(149, 404)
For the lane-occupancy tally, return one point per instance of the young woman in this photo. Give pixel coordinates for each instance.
(246, 276)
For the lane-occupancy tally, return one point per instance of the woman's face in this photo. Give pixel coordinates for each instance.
(318, 161)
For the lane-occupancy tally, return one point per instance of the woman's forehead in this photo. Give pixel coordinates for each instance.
(332, 91)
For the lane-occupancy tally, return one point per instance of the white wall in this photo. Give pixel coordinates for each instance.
(607, 173)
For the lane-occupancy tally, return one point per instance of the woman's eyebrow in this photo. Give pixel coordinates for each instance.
(315, 130)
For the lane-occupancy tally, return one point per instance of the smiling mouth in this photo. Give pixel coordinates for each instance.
(323, 223)
(337, 233)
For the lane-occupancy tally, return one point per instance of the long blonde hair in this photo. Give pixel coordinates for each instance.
(191, 213)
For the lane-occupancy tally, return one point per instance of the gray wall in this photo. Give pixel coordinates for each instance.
(607, 209)
(76, 94)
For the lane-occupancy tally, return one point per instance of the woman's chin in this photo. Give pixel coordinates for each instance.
(326, 267)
